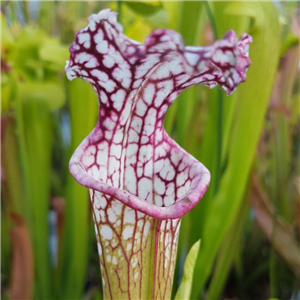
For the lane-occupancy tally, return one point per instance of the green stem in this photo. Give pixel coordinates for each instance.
(217, 173)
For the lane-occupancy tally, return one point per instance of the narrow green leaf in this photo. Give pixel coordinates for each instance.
(253, 99)
(207, 151)
(185, 287)
(83, 111)
(38, 141)
(12, 186)
(189, 18)
(227, 253)
(179, 119)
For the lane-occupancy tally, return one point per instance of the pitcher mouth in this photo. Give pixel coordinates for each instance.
(176, 210)
(128, 155)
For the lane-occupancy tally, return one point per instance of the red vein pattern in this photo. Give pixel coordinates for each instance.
(141, 182)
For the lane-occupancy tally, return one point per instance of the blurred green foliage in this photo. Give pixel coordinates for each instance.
(252, 134)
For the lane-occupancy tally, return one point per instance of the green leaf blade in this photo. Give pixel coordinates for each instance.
(185, 288)
(253, 97)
